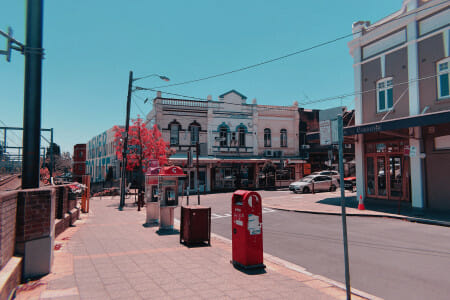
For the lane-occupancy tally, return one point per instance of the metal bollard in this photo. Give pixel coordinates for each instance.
(140, 201)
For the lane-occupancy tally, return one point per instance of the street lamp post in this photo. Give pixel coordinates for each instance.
(125, 142)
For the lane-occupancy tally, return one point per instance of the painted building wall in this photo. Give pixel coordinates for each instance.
(101, 155)
(437, 163)
(184, 112)
(277, 118)
(431, 50)
(231, 111)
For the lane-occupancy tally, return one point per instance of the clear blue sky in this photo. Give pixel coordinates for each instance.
(91, 46)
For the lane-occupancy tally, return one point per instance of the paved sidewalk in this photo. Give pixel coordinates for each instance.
(110, 255)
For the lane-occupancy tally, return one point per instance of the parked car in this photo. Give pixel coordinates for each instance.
(314, 182)
(331, 173)
(350, 183)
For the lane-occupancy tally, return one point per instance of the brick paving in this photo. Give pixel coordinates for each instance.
(110, 255)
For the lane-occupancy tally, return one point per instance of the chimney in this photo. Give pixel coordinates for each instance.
(158, 94)
(209, 98)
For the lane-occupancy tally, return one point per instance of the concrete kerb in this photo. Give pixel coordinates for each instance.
(391, 216)
(302, 270)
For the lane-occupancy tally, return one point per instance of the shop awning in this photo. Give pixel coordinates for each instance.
(400, 123)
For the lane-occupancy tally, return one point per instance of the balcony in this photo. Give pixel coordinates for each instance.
(232, 150)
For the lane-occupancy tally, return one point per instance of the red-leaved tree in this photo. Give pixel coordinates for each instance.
(143, 145)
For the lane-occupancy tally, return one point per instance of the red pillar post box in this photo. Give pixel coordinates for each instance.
(247, 235)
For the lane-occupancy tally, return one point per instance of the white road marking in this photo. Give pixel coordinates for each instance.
(228, 215)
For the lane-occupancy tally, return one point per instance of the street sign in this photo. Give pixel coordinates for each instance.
(334, 131)
(325, 132)
(412, 151)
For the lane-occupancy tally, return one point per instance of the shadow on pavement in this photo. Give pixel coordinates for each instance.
(196, 245)
(349, 202)
(250, 271)
(167, 231)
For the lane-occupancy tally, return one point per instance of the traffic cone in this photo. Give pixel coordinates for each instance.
(361, 203)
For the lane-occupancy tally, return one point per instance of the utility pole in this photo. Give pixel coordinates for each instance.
(32, 94)
(197, 147)
(125, 145)
(51, 153)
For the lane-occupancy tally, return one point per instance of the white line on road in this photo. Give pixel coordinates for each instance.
(227, 215)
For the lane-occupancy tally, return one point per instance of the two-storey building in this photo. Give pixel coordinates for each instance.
(234, 139)
(184, 123)
(402, 106)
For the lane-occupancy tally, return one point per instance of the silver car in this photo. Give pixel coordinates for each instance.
(314, 183)
(331, 173)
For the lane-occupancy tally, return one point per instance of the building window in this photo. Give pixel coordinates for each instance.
(443, 78)
(384, 95)
(283, 138)
(442, 142)
(174, 133)
(223, 134)
(241, 136)
(267, 138)
(195, 131)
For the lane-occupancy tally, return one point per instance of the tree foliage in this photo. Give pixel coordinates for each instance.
(144, 145)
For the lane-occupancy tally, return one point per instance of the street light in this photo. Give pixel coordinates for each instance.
(125, 143)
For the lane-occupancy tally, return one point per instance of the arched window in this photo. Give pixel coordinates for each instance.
(267, 138)
(194, 129)
(174, 128)
(283, 138)
(241, 136)
(223, 134)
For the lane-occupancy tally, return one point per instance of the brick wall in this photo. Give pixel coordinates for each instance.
(62, 201)
(34, 215)
(8, 209)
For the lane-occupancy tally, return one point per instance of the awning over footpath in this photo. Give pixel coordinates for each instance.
(400, 123)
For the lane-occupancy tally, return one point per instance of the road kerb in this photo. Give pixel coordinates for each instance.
(302, 270)
(380, 215)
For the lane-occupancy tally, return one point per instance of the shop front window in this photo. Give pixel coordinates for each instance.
(381, 168)
(370, 177)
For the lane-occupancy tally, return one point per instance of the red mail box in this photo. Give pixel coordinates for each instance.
(247, 235)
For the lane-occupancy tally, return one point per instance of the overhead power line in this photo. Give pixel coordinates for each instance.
(296, 52)
(363, 92)
(329, 98)
(134, 100)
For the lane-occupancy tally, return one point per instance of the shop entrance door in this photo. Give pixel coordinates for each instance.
(396, 176)
(386, 170)
(385, 176)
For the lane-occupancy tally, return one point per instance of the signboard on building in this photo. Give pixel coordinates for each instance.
(306, 169)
